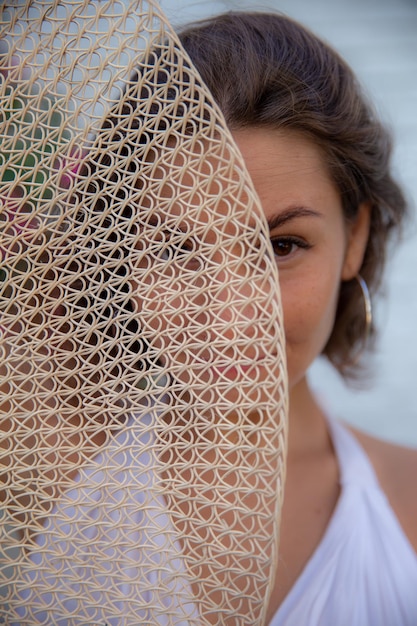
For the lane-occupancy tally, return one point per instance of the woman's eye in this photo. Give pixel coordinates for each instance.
(181, 250)
(285, 246)
(178, 247)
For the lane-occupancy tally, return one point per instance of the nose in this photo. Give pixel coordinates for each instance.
(239, 301)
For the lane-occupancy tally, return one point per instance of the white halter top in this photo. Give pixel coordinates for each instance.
(364, 571)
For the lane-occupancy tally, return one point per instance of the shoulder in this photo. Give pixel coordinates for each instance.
(396, 469)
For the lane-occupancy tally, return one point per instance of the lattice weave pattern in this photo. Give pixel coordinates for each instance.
(142, 376)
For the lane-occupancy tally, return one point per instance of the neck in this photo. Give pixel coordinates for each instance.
(307, 422)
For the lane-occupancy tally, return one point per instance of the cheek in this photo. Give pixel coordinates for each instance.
(163, 318)
(309, 313)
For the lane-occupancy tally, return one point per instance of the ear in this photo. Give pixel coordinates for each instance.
(357, 239)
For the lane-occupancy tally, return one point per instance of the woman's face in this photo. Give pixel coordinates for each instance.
(315, 249)
(205, 287)
(207, 325)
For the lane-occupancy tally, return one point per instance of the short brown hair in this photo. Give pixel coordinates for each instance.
(264, 69)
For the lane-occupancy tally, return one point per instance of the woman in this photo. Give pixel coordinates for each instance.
(319, 160)
(160, 300)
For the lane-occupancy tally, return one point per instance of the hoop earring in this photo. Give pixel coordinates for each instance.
(355, 358)
(368, 306)
(368, 317)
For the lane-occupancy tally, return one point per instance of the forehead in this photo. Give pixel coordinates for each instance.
(282, 152)
(286, 168)
(190, 181)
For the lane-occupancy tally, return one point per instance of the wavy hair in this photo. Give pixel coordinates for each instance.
(266, 70)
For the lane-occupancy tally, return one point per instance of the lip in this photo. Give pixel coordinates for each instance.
(234, 370)
(225, 368)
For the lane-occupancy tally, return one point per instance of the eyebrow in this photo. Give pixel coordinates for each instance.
(291, 214)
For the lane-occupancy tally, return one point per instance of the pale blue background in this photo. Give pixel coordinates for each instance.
(379, 39)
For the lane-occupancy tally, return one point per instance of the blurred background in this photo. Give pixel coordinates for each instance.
(379, 40)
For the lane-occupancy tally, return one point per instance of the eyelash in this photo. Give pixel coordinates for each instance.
(288, 241)
(186, 246)
(181, 249)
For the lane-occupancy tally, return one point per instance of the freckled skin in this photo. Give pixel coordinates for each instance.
(315, 251)
(288, 172)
